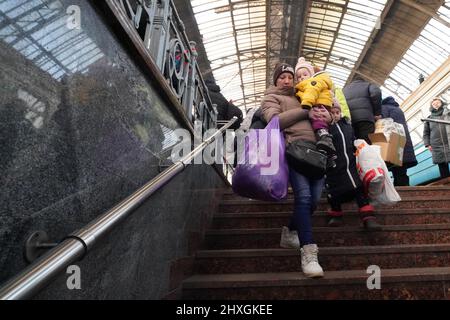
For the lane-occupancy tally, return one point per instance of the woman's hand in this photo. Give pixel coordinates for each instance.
(320, 113)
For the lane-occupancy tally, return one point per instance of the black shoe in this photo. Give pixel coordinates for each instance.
(325, 143)
(335, 222)
(372, 225)
(331, 163)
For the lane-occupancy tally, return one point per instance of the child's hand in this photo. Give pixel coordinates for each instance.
(313, 114)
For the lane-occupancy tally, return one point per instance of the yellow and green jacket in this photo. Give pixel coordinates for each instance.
(339, 95)
(316, 90)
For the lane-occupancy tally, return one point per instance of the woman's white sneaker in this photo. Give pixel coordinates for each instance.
(310, 263)
(289, 239)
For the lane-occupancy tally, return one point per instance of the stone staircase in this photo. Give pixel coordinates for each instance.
(242, 259)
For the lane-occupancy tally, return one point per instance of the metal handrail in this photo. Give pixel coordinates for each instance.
(437, 121)
(40, 273)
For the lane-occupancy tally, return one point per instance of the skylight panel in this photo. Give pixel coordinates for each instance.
(425, 55)
(234, 61)
(354, 31)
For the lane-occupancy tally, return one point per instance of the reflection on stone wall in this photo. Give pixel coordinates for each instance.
(80, 129)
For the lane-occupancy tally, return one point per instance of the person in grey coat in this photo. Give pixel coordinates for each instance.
(436, 136)
(364, 101)
(391, 109)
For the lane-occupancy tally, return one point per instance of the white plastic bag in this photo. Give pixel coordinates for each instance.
(374, 174)
(388, 195)
(369, 168)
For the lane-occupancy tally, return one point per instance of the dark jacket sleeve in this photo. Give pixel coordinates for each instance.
(375, 98)
(234, 111)
(222, 104)
(353, 138)
(385, 111)
(258, 121)
(426, 133)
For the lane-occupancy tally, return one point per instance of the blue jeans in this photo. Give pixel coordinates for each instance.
(307, 193)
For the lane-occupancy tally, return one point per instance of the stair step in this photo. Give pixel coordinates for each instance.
(242, 258)
(331, 258)
(435, 191)
(320, 218)
(410, 283)
(245, 205)
(324, 236)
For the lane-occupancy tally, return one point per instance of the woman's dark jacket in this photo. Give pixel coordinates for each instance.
(391, 109)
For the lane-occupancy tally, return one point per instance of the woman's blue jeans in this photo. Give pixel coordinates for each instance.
(307, 193)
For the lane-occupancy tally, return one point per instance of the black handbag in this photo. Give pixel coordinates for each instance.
(304, 157)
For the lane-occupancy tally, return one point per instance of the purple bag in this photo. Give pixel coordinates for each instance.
(262, 172)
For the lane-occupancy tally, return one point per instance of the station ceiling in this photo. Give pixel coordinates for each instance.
(389, 42)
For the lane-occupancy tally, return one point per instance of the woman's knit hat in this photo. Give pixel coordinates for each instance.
(439, 98)
(302, 63)
(443, 102)
(281, 68)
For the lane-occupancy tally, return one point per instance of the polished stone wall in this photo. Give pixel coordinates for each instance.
(82, 127)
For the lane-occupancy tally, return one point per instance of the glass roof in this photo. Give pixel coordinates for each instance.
(335, 35)
(239, 62)
(234, 36)
(426, 54)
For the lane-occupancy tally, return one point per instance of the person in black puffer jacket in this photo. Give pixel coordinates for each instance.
(225, 109)
(342, 182)
(258, 121)
(364, 101)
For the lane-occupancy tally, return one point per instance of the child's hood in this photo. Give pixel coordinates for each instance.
(319, 76)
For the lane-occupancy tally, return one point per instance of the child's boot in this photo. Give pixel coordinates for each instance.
(325, 142)
(368, 218)
(331, 161)
(336, 218)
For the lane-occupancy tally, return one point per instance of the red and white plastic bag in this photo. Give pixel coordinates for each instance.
(374, 174)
